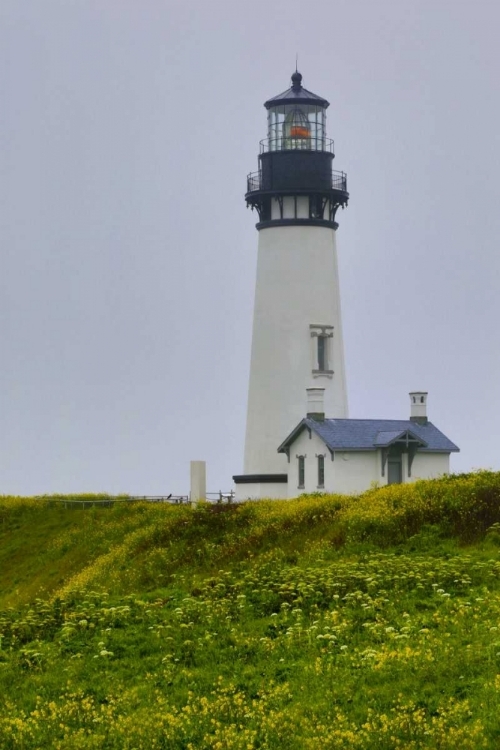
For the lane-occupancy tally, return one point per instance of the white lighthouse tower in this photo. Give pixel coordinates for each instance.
(297, 327)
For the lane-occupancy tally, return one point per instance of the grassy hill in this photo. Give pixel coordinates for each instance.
(324, 622)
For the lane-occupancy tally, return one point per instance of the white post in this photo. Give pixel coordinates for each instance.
(198, 489)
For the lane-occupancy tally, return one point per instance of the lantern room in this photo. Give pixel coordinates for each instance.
(296, 120)
(295, 182)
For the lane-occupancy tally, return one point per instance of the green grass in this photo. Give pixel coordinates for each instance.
(324, 622)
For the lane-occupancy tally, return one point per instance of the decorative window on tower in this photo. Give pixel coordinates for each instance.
(322, 358)
(322, 340)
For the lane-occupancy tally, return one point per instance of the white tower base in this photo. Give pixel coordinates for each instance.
(297, 301)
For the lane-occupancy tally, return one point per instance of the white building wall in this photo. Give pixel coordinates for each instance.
(289, 207)
(275, 209)
(310, 448)
(349, 472)
(353, 472)
(261, 490)
(356, 471)
(302, 207)
(297, 286)
(429, 466)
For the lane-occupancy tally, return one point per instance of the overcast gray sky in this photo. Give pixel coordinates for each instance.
(128, 255)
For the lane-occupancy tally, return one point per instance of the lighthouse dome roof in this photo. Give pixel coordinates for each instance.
(296, 94)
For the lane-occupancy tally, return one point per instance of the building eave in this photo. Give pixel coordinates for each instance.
(302, 425)
(315, 426)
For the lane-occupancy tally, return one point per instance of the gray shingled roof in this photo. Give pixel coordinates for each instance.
(293, 96)
(369, 434)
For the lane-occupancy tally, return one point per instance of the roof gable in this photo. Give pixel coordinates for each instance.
(293, 436)
(385, 438)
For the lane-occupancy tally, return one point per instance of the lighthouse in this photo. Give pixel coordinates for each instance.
(297, 326)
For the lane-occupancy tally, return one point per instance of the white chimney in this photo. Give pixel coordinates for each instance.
(418, 412)
(316, 403)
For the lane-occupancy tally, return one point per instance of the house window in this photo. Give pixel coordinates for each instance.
(302, 471)
(321, 471)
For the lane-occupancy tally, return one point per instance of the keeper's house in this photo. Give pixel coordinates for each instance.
(349, 455)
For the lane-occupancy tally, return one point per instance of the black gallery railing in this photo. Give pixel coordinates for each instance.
(338, 182)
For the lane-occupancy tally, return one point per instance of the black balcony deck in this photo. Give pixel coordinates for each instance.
(256, 183)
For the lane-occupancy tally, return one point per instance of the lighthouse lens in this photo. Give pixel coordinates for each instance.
(296, 127)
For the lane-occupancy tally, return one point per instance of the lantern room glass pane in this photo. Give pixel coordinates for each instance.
(296, 126)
